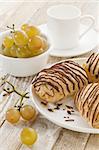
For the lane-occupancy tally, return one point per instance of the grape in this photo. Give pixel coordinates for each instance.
(35, 43)
(6, 52)
(12, 115)
(31, 31)
(37, 52)
(13, 51)
(44, 44)
(23, 52)
(8, 42)
(1, 52)
(28, 112)
(28, 136)
(24, 26)
(20, 38)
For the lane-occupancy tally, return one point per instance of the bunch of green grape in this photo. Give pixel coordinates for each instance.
(28, 136)
(27, 113)
(24, 43)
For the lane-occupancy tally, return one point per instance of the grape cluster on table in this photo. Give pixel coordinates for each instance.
(24, 43)
(28, 135)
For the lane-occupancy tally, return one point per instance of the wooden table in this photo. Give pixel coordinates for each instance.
(35, 12)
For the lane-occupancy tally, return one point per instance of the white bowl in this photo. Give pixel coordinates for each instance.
(22, 67)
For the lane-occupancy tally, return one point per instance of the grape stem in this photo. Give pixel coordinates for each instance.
(12, 28)
(8, 91)
(21, 100)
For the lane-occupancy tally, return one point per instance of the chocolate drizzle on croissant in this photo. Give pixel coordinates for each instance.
(92, 65)
(64, 78)
(87, 103)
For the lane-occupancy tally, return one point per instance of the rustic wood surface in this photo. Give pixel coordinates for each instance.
(35, 12)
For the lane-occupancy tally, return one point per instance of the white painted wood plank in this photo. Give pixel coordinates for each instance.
(93, 142)
(70, 140)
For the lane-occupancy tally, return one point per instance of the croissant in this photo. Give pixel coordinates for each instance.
(87, 103)
(59, 81)
(92, 67)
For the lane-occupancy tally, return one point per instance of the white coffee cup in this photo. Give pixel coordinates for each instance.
(64, 26)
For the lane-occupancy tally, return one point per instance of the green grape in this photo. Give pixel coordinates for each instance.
(24, 26)
(20, 38)
(35, 43)
(13, 51)
(23, 52)
(1, 49)
(8, 42)
(2, 46)
(1, 52)
(37, 52)
(6, 52)
(44, 44)
(31, 30)
(13, 115)
(28, 112)
(28, 136)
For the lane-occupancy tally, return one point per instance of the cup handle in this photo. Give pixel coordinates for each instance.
(90, 26)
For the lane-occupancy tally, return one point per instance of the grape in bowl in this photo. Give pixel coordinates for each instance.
(14, 61)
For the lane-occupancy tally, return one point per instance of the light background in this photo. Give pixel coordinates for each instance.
(9, 7)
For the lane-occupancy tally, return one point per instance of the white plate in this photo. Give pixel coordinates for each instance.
(87, 43)
(57, 117)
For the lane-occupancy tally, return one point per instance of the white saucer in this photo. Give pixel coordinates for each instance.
(87, 43)
(57, 117)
